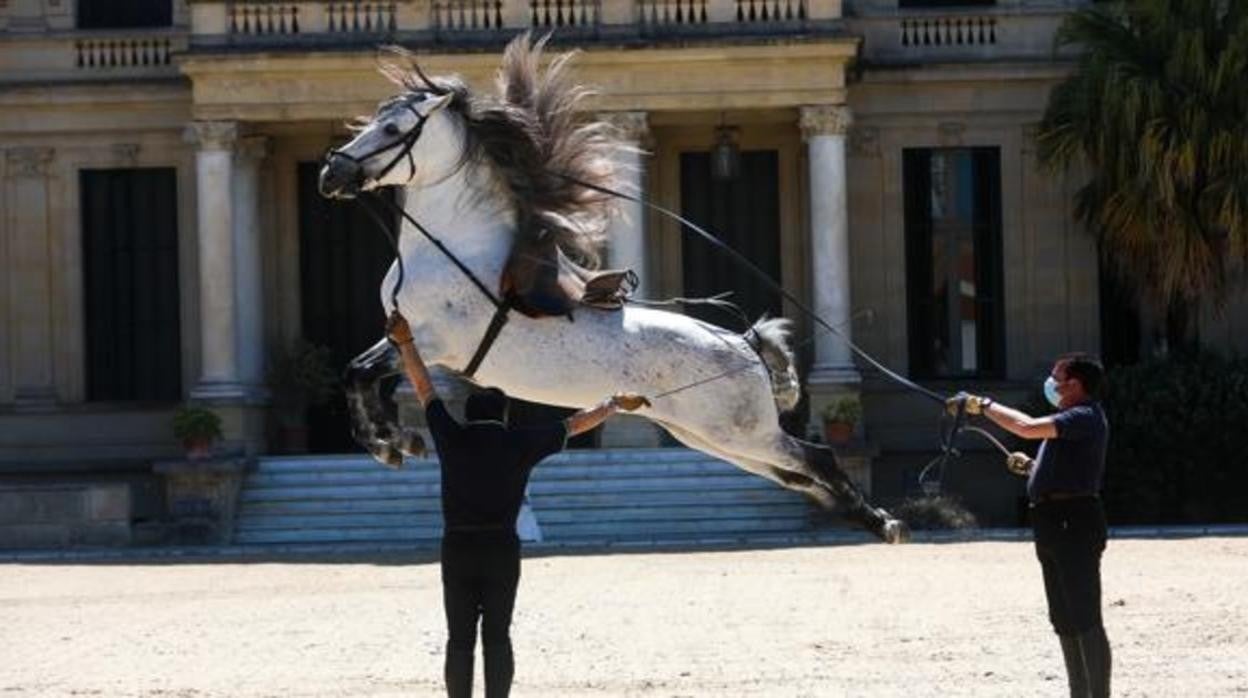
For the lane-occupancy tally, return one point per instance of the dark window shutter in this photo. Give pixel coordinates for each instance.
(130, 267)
(124, 14)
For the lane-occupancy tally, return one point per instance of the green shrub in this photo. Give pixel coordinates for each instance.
(844, 408)
(194, 423)
(1178, 441)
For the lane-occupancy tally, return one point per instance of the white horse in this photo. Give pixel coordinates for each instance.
(487, 172)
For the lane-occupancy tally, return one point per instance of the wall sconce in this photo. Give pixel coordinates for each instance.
(725, 154)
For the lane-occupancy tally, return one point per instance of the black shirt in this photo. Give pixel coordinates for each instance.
(1073, 461)
(485, 467)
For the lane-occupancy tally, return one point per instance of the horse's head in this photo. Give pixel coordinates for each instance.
(384, 150)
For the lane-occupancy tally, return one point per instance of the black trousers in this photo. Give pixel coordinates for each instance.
(1070, 538)
(479, 579)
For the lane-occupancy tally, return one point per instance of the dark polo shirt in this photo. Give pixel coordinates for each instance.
(485, 467)
(1073, 462)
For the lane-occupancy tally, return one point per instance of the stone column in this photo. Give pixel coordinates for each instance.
(627, 235)
(627, 239)
(248, 265)
(214, 170)
(824, 128)
(30, 280)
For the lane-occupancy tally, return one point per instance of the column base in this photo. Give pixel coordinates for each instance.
(35, 400)
(630, 431)
(834, 375)
(223, 392)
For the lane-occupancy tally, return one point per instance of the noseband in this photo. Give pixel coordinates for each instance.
(407, 141)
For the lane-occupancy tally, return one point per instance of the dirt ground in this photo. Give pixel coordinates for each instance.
(955, 619)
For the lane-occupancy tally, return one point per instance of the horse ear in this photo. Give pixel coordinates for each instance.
(433, 104)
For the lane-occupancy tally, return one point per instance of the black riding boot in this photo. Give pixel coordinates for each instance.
(1076, 669)
(499, 669)
(458, 672)
(1099, 661)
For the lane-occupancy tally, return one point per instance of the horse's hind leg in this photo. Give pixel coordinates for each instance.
(785, 478)
(374, 415)
(814, 463)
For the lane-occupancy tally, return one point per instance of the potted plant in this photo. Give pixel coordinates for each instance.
(299, 378)
(198, 428)
(840, 417)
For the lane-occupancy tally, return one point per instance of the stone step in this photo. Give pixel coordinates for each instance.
(320, 463)
(622, 514)
(380, 475)
(604, 529)
(538, 487)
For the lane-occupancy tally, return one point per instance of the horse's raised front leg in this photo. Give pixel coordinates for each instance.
(374, 415)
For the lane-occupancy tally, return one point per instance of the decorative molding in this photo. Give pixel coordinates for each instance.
(633, 126)
(254, 148)
(28, 162)
(864, 141)
(126, 154)
(212, 135)
(950, 133)
(825, 120)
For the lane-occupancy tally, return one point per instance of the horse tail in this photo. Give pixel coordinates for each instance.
(770, 338)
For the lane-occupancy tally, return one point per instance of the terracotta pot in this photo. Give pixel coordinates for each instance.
(198, 448)
(838, 432)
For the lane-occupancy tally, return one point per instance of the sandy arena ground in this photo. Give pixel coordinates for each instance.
(963, 619)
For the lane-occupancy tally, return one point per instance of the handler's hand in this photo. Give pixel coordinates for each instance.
(975, 404)
(629, 401)
(1019, 463)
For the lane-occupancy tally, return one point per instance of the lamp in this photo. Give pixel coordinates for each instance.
(725, 154)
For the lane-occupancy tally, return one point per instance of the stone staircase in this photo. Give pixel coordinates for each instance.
(580, 497)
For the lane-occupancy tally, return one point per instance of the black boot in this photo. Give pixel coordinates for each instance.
(458, 672)
(499, 669)
(1099, 661)
(1076, 668)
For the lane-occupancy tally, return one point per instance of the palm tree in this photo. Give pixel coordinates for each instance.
(1157, 111)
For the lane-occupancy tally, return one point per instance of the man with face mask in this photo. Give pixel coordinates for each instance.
(1063, 485)
(485, 468)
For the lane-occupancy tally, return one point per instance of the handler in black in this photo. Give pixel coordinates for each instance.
(485, 466)
(1064, 485)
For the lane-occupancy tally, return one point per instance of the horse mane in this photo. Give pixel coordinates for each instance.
(539, 146)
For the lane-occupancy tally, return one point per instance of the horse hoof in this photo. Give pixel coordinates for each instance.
(388, 456)
(895, 532)
(411, 443)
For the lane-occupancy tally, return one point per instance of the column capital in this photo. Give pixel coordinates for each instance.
(632, 125)
(28, 162)
(212, 135)
(255, 148)
(825, 120)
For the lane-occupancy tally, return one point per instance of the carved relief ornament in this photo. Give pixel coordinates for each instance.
(825, 120)
(28, 162)
(212, 135)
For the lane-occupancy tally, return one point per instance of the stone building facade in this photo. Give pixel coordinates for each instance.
(157, 229)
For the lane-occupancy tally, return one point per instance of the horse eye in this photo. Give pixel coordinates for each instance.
(392, 129)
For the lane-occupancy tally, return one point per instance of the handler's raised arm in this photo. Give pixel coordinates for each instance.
(1019, 423)
(585, 420)
(413, 366)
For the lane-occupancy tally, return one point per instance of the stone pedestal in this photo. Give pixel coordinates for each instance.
(202, 497)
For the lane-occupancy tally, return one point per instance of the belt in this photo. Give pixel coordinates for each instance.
(1051, 497)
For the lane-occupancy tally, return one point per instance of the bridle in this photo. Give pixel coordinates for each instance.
(406, 140)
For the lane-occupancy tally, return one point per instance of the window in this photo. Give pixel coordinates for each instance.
(124, 14)
(130, 266)
(953, 261)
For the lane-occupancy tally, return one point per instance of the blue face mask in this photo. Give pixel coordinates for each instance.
(1050, 392)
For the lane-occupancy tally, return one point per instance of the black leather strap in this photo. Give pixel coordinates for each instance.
(501, 312)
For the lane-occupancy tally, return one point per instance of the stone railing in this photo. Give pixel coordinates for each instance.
(1010, 29)
(88, 55)
(277, 23)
